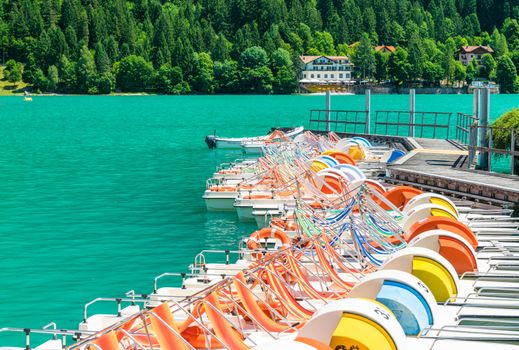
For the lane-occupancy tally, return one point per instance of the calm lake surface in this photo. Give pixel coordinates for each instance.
(98, 195)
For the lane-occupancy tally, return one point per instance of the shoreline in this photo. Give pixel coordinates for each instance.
(404, 91)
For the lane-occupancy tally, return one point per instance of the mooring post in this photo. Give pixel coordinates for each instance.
(471, 125)
(412, 105)
(483, 122)
(328, 108)
(367, 108)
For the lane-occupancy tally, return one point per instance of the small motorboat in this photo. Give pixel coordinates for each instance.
(27, 97)
(214, 141)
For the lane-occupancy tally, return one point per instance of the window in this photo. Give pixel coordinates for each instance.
(340, 76)
(347, 75)
(326, 76)
(311, 76)
(318, 75)
(304, 75)
(331, 76)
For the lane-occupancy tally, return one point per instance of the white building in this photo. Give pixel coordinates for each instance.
(326, 70)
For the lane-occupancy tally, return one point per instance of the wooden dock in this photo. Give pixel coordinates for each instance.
(430, 164)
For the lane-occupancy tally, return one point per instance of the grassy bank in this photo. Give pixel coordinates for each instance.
(7, 88)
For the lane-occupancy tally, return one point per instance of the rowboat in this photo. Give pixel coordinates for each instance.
(214, 141)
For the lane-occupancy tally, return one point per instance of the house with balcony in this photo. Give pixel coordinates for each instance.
(469, 53)
(326, 70)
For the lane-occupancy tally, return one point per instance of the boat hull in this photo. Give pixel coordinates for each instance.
(236, 143)
(219, 201)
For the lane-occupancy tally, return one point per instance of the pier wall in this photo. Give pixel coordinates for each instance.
(360, 89)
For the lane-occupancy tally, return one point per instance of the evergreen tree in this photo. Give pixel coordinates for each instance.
(40, 34)
(67, 72)
(506, 75)
(460, 73)
(40, 82)
(416, 56)
(488, 66)
(52, 78)
(204, 73)
(448, 62)
(364, 57)
(85, 71)
(472, 71)
(102, 60)
(381, 66)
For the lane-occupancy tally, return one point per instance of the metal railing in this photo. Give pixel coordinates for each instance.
(412, 123)
(489, 150)
(387, 122)
(463, 124)
(52, 333)
(338, 120)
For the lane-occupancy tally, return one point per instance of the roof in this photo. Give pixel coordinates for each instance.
(476, 49)
(389, 48)
(308, 59)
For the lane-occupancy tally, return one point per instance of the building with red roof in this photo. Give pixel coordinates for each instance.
(385, 48)
(469, 53)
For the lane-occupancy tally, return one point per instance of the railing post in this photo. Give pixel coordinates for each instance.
(448, 124)
(367, 104)
(412, 105)
(475, 103)
(27, 332)
(490, 143)
(512, 150)
(328, 107)
(473, 141)
(483, 122)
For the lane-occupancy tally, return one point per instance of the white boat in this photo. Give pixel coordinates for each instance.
(214, 141)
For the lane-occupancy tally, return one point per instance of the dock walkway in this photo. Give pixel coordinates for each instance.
(430, 165)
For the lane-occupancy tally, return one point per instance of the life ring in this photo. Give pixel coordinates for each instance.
(253, 242)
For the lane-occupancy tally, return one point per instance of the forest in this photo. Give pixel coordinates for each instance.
(249, 46)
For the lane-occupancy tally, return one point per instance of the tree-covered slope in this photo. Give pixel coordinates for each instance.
(205, 46)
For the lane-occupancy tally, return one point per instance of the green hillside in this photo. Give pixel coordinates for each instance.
(250, 46)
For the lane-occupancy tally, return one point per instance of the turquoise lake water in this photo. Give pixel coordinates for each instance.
(100, 194)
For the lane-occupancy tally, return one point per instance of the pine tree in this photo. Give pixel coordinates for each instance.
(364, 57)
(52, 78)
(85, 70)
(102, 60)
(506, 75)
